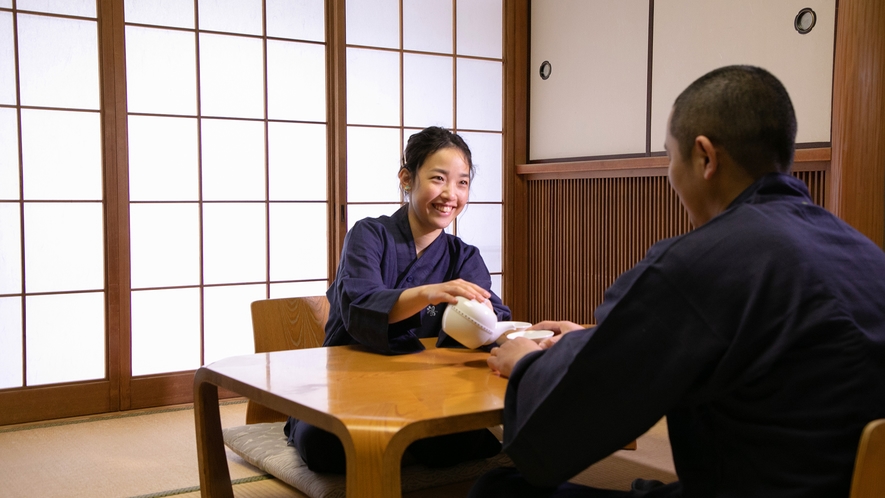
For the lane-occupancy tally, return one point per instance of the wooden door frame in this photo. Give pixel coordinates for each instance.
(515, 140)
(857, 170)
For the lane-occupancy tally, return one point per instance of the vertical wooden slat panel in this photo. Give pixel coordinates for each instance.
(587, 232)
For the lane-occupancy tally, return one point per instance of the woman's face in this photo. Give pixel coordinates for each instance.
(439, 191)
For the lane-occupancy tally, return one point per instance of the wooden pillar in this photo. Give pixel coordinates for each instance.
(516, 98)
(857, 179)
(336, 130)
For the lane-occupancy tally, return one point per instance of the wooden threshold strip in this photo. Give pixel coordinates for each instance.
(817, 159)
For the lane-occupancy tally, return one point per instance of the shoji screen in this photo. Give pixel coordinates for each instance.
(52, 281)
(227, 170)
(418, 63)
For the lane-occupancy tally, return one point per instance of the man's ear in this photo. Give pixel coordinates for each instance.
(706, 153)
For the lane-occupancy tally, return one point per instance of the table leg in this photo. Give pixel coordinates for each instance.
(214, 473)
(373, 464)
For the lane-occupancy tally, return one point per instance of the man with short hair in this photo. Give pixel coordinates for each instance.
(760, 334)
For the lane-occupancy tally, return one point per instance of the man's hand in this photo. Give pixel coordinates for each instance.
(558, 327)
(504, 358)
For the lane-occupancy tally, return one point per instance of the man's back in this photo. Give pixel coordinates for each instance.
(761, 337)
(799, 299)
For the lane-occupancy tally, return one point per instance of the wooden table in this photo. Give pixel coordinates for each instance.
(377, 405)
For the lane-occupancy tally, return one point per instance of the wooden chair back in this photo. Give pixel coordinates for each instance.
(283, 324)
(869, 467)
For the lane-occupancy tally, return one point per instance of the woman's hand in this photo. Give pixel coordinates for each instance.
(504, 358)
(558, 327)
(413, 300)
(449, 291)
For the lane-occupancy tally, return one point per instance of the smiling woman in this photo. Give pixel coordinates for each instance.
(435, 177)
(397, 276)
(398, 272)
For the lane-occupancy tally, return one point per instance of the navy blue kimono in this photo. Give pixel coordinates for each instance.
(760, 335)
(377, 263)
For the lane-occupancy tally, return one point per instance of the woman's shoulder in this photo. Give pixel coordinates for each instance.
(373, 224)
(382, 222)
(383, 230)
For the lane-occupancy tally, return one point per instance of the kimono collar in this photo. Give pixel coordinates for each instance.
(401, 221)
(772, 185)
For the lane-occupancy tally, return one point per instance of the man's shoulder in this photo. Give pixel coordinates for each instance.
(744, 235)
(788, 220)
(796, 238)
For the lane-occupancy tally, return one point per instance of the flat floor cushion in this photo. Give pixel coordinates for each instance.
(264, 446)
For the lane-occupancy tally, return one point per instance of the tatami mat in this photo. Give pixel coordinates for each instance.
(272, 488)
(113, 456)
(153, 453)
